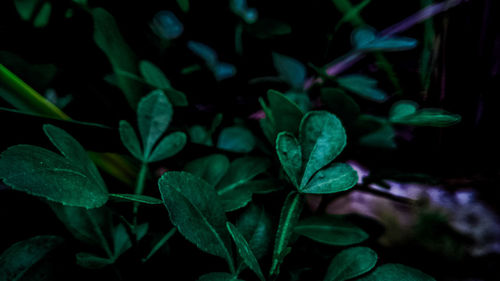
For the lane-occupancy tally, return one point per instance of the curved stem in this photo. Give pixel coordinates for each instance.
(139, 189)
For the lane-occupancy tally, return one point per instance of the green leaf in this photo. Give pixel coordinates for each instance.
(405, 112)
(286, 113)
(363, 86)
(218, 276)
(168, 146)
(154, 114)
(88, 226)
(244, 250)
(108, 38)
(269, 28)
(153, 75)
(383, 137)
(351, 263)
(255, 225)
(43, 173)
(331, 230)
(73, 151)
(91, 261)
(340, 104)
(210, 168)
(335, 178)
(17, 260)
(121, 240)
(236, 139)
(322, 138)
(25, 8)
(290, 156)
(130, 140)
(200, 135)
(365, 39)
(396, 272)
(136, 198)
(241, 171)
(232, 193)
(289, 216)
(184, 5)
(195, 209)
(43, 17)
(290, 70)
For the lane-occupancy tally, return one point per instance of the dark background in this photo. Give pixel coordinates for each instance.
(466, 81)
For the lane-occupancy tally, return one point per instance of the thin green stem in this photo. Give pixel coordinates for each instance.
(139, 189)
(160, 244)
(102, 238)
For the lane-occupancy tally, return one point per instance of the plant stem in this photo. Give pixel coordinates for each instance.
(139, 189)
(160, 244)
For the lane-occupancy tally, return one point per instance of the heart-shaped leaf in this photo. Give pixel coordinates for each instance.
(154, 114)
(244, 250)
(322, 138)
(290, 156)
(351, 263)
(331, 230)
(195, 209)
(218, 276)
(289, 217)
(256, 227)
(210, 168)
(363, 86)
(130, 140)
(396, 272)
(236, 139)
(168, 146)
(16, 261)
(287, 114)
(335, 178)
(290, 70)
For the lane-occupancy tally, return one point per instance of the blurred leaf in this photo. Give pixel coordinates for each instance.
(168, 146)
(396, 272)
(331, 230)
(42, 19)
(236, 139)
(223, 71)
(290, 156)
(352, 14)
(153, 75)
(290, 70)
(17, 260)
(364, 86)
(25, 8)
(300, 99)
(121, 240)
(210, 168)
(364, 38)
(245, 251)
(108, 38)
(335, 178)
(200, 135)
(269, 28)
(255, 225)
(72, 180)
(154, 114)
(383, 137)
(340, 104)
(287, 114)
(184, 5)
(130, 140)
(218, 276)
(136, 198)
(195, 209)
(91, 261)
(351, 263)
(239, 7)
(166, 25)
(203, 51)
(88, 226)
(322, 138)
(405, 112)
(289, 216)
